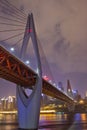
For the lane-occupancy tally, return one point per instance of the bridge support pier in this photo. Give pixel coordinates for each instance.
(29, 107)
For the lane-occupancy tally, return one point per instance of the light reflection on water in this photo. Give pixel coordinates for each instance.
(84, 117)
(51, 118)
(59, 121)
(64, 121)
(9, 118)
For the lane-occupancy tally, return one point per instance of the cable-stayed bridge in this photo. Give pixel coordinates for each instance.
(13, 68)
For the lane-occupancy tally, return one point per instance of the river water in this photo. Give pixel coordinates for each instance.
(59, 121)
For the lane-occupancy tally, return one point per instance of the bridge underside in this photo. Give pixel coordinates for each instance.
(14, 70)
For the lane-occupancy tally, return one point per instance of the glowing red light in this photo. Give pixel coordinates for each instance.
(46, 78)
(29, 30)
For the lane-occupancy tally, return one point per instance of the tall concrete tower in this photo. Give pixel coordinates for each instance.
(29, 107)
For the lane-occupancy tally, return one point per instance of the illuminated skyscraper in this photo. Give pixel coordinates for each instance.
(69, 89)
(8, 103)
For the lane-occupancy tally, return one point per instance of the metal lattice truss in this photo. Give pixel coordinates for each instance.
(12, 69)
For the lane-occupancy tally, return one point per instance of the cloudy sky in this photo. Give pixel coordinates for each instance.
(61, 27)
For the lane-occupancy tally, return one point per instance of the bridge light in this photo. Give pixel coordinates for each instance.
(27, 62)
(42, 94)
(45, 77)
(50, 81)
(59, 88)
(29, 30)
(37, 71)
(12, 49)
(54, 84)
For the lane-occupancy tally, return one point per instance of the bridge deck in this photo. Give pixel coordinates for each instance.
(14, 70)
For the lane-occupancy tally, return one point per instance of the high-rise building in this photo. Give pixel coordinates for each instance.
(60, 86)
(14, 102)
(86, 95)
(3, 104)
(69, 89)
(8, 103)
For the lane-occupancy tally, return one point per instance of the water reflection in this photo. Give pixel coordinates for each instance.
(59, 118)
(58, 121)
(8, 118)
(64, 122)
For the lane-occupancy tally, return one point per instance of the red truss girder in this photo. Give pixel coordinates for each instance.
(14, 70)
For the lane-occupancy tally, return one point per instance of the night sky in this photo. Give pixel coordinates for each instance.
(61, 27)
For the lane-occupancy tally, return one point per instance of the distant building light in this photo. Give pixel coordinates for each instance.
(81, 102)
(60, 106)
(2, 98)
(47, 111)
(74, 91)
(10, 99)
(12, 49)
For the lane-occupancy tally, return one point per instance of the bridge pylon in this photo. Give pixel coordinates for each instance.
(29, 107)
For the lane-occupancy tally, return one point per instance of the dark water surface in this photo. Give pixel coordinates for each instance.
(59, 121)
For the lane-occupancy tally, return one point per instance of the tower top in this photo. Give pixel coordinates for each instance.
(68, 85)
